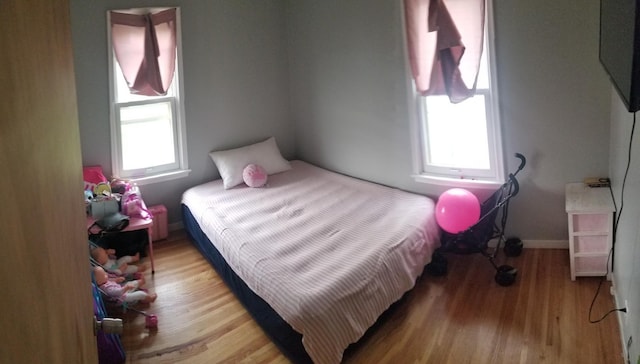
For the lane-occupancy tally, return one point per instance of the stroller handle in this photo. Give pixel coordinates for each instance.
(515, 184)
(523, 162)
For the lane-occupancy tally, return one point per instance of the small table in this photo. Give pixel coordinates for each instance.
(590, 212)
(135, 223)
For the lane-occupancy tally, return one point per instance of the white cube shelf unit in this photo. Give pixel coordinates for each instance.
(590, 211)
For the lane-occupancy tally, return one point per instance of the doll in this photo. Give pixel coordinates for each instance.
(129, 292)
(120, 266)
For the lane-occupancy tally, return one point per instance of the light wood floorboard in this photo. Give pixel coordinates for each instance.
(464, 317)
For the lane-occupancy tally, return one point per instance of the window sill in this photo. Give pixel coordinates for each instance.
(168, 176)
(457, 183)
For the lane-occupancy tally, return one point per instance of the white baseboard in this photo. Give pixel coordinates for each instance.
(540, 244)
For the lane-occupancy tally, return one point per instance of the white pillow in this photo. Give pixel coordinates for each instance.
(231, 162)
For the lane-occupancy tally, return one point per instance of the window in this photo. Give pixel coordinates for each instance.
(148, 139)
(460, 144)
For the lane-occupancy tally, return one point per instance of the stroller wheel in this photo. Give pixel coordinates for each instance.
(513, 247)
(506, 275)
(438, 265)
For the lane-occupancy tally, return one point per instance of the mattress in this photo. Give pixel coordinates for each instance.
(327, 252)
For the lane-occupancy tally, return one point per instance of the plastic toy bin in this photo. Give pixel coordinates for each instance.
(159, 230)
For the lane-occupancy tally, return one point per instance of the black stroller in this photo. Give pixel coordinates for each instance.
(476, 238)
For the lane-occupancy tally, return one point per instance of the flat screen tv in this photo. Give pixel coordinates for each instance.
(620, 48)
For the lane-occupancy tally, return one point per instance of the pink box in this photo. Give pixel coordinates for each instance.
(159, 230)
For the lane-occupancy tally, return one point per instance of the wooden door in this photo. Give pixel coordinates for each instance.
(46, 308)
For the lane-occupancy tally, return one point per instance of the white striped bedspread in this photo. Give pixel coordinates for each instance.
(329, 253)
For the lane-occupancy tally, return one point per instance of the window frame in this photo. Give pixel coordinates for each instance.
(180, 168)
(174, 126)
(453, 177)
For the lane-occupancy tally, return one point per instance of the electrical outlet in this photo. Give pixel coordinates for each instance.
(627, 316)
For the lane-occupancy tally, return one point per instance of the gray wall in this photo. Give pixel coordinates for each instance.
(555, 104)
(627, 255)
(350, 102)
(348, 87)
(235, 82)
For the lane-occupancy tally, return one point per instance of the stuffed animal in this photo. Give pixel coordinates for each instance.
(121, 266)
(254, 175)
(129, 292)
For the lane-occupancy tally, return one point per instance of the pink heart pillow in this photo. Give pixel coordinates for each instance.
(254, 175)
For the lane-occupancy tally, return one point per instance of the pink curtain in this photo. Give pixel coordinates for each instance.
(445, 41)
(145, 48)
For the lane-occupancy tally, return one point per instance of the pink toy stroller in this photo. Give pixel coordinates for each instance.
(150, 320)
(476, 238)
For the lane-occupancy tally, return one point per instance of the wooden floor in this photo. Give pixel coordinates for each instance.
(464, 317)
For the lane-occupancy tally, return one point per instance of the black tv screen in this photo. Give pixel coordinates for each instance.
(620, 48)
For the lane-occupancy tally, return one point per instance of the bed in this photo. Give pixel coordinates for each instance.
(315, 256)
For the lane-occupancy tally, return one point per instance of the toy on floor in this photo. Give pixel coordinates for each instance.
(150, 320)
(121, 266)
(129, 292)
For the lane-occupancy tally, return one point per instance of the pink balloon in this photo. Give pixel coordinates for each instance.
(456, 210)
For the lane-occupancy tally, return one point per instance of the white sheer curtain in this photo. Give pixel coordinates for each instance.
(145, 48)
(445, 41)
